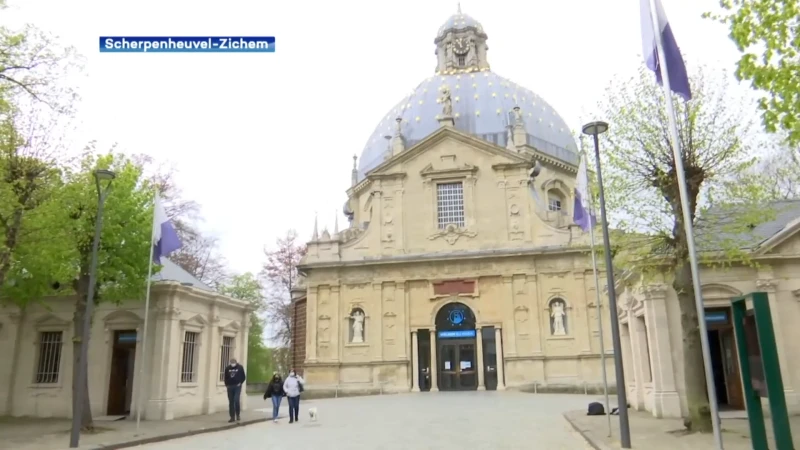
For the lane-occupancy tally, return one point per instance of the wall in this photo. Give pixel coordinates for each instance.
(654, 304)
(173, 309)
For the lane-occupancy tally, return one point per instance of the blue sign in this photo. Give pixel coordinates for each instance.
(716, 317)
(129, 337)
(456, 334)
(456, 317)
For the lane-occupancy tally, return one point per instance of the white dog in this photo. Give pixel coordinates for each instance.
(312, 412)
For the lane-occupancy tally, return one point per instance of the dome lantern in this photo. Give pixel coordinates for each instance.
(461, 45)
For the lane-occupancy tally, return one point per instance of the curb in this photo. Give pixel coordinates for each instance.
(585, 435)
(169, 437)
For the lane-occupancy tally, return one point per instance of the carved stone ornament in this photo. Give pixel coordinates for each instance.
(766, 285)
(451, 233)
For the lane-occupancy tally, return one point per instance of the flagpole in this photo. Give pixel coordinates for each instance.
(599, 313)
(146, 317)
(689, 228)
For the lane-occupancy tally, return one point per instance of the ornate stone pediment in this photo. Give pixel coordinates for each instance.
(463, 170)
(196, 321)
(232, 327)
(122, 317)
(452, 233)
(716, 291)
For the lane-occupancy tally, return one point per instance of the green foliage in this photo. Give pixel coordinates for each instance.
(123, 257)
(32, 65)
(259, 359)
(767, 33)
(639, 172)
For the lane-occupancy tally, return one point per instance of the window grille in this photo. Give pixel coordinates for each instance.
(191, 353)
(462, 61)
(225, 355)
(450, 204)
(49, 363)
(554, 204)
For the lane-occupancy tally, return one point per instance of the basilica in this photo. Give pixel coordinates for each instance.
(461, 267)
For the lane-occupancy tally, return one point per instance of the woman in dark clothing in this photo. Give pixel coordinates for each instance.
(275, 390)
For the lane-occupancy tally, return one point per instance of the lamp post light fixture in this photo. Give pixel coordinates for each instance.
(103, 179)
(595, 129)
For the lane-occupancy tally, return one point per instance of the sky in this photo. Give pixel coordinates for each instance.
(264, 142)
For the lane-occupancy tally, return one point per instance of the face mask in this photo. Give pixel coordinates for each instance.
(291, 374)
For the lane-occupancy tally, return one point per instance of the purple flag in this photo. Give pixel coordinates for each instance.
(581, 212)
(676, 69)
(165, 238)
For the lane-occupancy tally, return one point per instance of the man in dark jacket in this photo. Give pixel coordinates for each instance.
(234, 378)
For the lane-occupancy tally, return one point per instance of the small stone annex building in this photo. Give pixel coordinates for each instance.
(192, 333)
(458, 270)
(650, 323)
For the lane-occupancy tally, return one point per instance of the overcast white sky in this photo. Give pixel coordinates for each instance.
(263, 141)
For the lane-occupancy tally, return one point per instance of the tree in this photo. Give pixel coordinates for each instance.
(123, 256)
(32, 64)
(199, 255)
(29, 179)
(767, 34)
(280, 275)
(642, 193)
(247, 287)
(779, 171)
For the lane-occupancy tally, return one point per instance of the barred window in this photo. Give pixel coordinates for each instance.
(462, 60)
(450, 204)
(49, 358)
(554, 204)
(191, 353)
(225, 355)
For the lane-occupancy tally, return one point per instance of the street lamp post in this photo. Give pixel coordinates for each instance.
(103, 179)
(595, 129)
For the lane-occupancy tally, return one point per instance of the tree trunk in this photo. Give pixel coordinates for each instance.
(87, 424)
(699, 418)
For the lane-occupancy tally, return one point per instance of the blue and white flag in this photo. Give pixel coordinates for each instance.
(676, 69)
(165, 238)
(582, 212)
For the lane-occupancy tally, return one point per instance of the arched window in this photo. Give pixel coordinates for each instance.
(555, 200)
(455, 316)
(557, 309)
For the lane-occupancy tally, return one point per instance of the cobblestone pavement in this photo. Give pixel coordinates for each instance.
(441, 421)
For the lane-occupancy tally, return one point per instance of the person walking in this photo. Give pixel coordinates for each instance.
(234, 378)
(293, 386)
(275, 390)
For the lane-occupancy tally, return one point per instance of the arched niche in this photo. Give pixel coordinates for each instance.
(455, 316)
(357, 330)
(558, 318)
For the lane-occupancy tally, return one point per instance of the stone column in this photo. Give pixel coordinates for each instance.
(414, 362)
(213, 360)
(479, 339)
(498, 338)
(434, 364)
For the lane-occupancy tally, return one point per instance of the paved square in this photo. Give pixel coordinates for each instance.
(441, 421)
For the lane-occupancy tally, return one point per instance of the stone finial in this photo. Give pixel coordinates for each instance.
(326, 236)
(398, 142)
(510, 141)
(315, 236)
(520, 135)
(459, 7)
(336, 223)
(354, 173)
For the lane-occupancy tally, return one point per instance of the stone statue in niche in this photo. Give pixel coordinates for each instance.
(357, 317)
(558, 318)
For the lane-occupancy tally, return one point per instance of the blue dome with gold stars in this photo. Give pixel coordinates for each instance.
(482, 102)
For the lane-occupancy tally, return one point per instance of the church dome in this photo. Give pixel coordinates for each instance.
(482, 103)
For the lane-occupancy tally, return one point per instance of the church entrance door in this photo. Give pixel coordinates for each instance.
(456, 345)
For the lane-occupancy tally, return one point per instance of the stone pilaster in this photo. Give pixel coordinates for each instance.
(666, 401)
(336, 325)
(770, 286)
(311, 324)
(212, 361)
(165, 363)
(508, 313)
(479, 339)
(583, 330)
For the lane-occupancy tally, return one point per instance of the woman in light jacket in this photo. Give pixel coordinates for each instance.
(293, 386)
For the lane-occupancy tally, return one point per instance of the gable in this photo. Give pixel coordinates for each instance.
(788, 247)
(447, 145)
(785, 242)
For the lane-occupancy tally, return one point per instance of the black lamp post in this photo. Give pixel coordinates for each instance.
(595, 129)
(103, 179)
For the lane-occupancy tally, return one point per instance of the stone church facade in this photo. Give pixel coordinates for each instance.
(461, 267)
